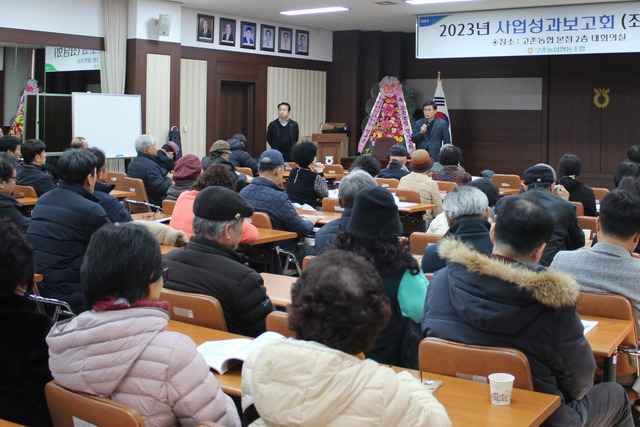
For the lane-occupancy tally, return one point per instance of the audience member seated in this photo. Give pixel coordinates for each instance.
(62, 223)
(34, 174)
(79, 143)
(372, 231)
(11, 146)
(368, 163)
(419, 181)
(349, 187)
(306, 183)
(148, 167)
(239, 156)
(633, 153)
(569, 169)
(624, 169)
(120, 349)
(508, 300)
(266, 195)
(113, 207)
(210, 265)
(467, 212)
(396, 168)
(539, 182)
(450, 159)
(439, 225)
(24, 367)
(216, 175)
(337, 309)
(188, 169)
(167, 155)
(9, 207)
(219, 153)
(609, 265)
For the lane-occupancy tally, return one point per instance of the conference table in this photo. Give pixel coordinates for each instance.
(604, 339)
(28, 201)
(121, 194)
(467, 402)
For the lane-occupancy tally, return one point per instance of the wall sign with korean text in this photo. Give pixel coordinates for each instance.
(582, 29)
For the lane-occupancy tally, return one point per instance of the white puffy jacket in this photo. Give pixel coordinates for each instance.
(304, 383)
(126, 355)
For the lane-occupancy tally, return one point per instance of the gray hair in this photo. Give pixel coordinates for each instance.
(144, 141)
(355, 181)
(465, 202)
(210, 228)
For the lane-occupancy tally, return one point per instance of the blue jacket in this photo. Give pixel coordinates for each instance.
(433, 138)
(484, 301)
(328, 231)
(265, 196)
(14, 210)
(113, 207)
(151, 171)
(474, 231)
(62, 223)
(35, 176)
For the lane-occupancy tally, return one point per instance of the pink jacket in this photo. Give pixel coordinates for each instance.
(126, 355)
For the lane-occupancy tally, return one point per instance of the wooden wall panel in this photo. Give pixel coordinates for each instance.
(488, 139)
(43, 38)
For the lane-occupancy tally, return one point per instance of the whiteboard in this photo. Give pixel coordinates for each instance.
(107, 121)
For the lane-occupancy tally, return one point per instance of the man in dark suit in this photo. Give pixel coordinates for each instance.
(283, 132)
(205, 31)
(227, 36)
(432, 132)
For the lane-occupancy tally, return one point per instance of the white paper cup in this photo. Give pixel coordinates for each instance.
(501, 385)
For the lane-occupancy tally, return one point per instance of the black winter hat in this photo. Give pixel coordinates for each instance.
(375, 215)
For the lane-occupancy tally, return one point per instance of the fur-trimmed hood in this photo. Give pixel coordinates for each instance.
(482, 288)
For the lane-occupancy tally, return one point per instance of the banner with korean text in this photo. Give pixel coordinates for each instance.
(70, 59)
(582, 29)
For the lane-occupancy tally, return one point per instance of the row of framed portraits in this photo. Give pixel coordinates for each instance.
(249, 38)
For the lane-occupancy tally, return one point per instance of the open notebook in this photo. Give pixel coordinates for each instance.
(223, 355)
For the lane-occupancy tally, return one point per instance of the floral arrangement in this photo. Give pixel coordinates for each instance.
(17, 127)
(389, 115)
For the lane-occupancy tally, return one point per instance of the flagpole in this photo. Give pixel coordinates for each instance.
(438, 79)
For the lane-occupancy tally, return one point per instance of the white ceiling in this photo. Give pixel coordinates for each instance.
(364, 15)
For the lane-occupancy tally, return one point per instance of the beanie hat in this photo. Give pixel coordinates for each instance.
(188, 167)
(171, 146)
(374, 215)
(421, 161)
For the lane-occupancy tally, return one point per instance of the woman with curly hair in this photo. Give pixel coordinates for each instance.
(337, 309)
(306, 183)
(372, 232)
(182, 216)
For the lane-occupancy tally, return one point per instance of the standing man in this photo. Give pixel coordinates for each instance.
(282, 133)
(431, 133)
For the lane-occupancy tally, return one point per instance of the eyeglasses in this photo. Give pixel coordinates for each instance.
(15, 178)
(165, 274)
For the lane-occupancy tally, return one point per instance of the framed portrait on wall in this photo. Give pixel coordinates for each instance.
(248, 32)
(205, 28)
(267, 37)
(228, 31)
(285, 39)
(302, 42)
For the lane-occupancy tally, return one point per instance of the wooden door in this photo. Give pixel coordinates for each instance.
(236, 110)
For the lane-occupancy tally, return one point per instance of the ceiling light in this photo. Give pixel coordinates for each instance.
(433, 1)
(316, 10)
(385, 3)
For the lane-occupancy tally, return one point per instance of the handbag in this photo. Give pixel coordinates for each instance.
(174, 134)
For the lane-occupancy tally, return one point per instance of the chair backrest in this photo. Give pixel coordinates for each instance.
(588, 223)
(334, 169)
(410, 196)
(25, 191)
(306, 260)
(136, 185)
(168, 206)
(261, 220)
(505, 181)
(197, 309)
(446, 186)
(117, 179)
(382, 146)
(419, 240)
(599, 193)
(67, 407)
(278, 321)
(387, 182)
(331, 205)
(579, 208)
(243, 170)
(468, 361)
(613, 306)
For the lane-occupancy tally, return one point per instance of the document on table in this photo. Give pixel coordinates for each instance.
(589, 325)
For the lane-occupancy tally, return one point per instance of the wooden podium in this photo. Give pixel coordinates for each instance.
(331, 144)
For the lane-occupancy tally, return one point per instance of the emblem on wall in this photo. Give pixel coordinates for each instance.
(601, 97)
